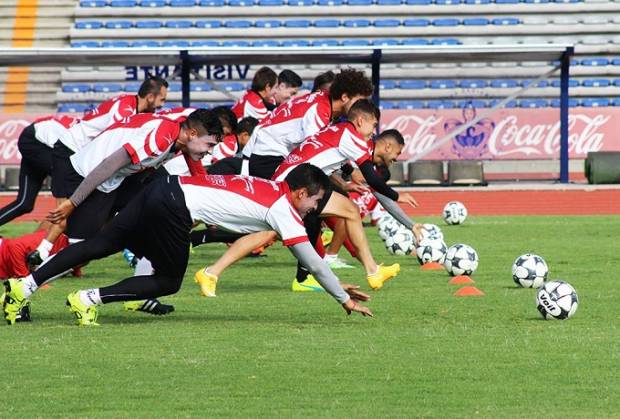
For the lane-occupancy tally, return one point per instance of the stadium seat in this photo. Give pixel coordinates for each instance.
(297, 23)
(595, 62)
(445, 41)
(617, 82)
(389, 2)
(267, 23)
(145, 44)
(266, 43)
(475, 103)
(93, 3)
(296, 43)
(536, 1)
(85, 44)
(615, 101)
(132, 87)
(509, 105)
(412, 84)
(301, 3)
(388, 84)
(149, 24)
(236, 43)
(426, 172)
(416, 41)
(387, 104)
(447, 2)
(532, 103)
(442, 84)
(418, 2)
(465, 172)
(355, 43)
(476, 21)
(615, 61)
(356, 23)
(89, 25)
(123, 3)
(416, 22)
(596, 83)
(595, 102)
(325, 43)
(76, 88)
(387, 23)
(72, 107)
(359, 2)
(505, 21)
(238, 24)
(240, 3)
(330, 2)
(118, 24)
(572, 102)
(212, 3)
(411, 104)
(472, 84)
(385, 42)
(182, 3)
(175, 44)
(107, 87)
(504, 83)
(208, 24)
(440, 104)
(179, 24)
(477, 1)
(326, 23)
(115, 44)
(174, 86)
(232, 86)
(200, 86)
(571, 83)
(271, 3)
(506, 1)
(153, 3)
(446, 22)
(205, 44)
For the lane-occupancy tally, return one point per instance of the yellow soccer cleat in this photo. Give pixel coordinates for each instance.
(207, 282)
(13, 300)
(326, 237)
(383, 274)
(310, 284)
(85, 315)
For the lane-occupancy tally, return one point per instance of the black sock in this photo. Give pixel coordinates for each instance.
(140, 288)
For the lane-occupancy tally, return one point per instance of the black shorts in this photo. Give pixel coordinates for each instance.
(156, 225)
(34, 153)
(65, 179)
(91, 215)
(227, 166)
(264, 166)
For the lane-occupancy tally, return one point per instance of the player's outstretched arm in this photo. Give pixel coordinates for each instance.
(397, 212)
(240, 249)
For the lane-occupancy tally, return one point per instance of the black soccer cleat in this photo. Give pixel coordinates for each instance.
(24, 314)
(149, 306)
(33, 260)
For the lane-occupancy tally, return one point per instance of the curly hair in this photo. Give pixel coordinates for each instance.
(350, 82)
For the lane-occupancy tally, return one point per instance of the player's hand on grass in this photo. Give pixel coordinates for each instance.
(405, 198)
(352, 305)
(61, 212)
(355, 293)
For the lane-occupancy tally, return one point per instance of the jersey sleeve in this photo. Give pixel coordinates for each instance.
(285, 221)
(157, 141)
(255, 111)
(354, 148)
(316, 118)
(227, 148)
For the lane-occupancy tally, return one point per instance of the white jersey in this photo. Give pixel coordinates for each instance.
(49, 129)
(292, 122)
(243, 204)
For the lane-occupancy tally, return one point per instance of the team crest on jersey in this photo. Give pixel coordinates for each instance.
(292, 159)
(217, 180)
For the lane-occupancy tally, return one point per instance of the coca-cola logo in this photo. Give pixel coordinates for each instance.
(9, 133)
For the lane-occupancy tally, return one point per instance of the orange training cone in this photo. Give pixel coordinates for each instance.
(468, 292)
(432, 266)
(461, 279)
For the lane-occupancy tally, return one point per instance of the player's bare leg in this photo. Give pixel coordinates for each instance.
(54, 231)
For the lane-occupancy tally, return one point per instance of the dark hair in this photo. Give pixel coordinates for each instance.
(152, 85)
(323, 79)
(264, 77)
(352, 83)
(290, 78)
(308, 176)
(394, 134)
(205, 121)
(247, 124)
(227, 117)
(363, 106)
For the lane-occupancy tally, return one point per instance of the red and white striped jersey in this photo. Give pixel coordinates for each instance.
(99, 119)
(49, 129)
(228, 147)
(243, 204)
(287, 126)
(148, 140)
(328, 150)
(250, 104)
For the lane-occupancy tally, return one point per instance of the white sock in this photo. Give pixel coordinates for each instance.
(29, 286)
(90, 297)
(330, 258)
(45, 248)
(143, 267)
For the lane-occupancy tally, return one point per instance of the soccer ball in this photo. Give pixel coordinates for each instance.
(431, 249)
(529, 271)
(461, 259)
(454, 213)
(431, 231)
(384, 219)
(557, 300)
(388, 228)
(400, 242)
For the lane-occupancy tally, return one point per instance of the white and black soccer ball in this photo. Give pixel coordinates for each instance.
(431, 250)
(461, 259)
(384, 219)
(431, 231)
(401, 242)
(557, 300)
(529, 271)
(454, 213)
(388, 228)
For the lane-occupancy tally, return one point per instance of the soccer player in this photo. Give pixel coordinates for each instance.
(288, 86)
(302, 117)
(35, 144)
(151, 96)
(156, 225)
(256, 102)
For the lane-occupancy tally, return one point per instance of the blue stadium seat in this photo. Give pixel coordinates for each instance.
(473, 84)
(132, 87)
(179, 43)
(296, 43)
(572, 103)
(212, 3)
(326, 23)
(532, 103)
(208, 24)
(566, 1)
(509, 105)
(297, 23)
(388, 84)
(412, 84)
(238, 24)
(447, 2)
(388, 104)
(200, 86)
(325, 43)
(179, 24)
(389, 2)
(615, 101)
(205, 44)
(615, 61)
(617, 82)
(475, 103)
(149, 24)
(200, 105)
(446, 22)
(594, 102)
(72, 107)
(418, 2)
(505, 21)
(440, 104)
(387, 23)
(107, 87)
(506, 1)
(355, 43)
(123, 3)
(445, 41)
(115, 44)
(504, 83)
(172, 105)
(266, 43)
(477, 1)
(385, 42)
(411, 104)
(174, 86)
(571, 83)
(182, 3)
(232, 86)
(416, 22)
(91, 24)
(416, 41)
(118, 24)
(145, 44)
(359, 2)
(596, 83)
(271, 3)
(476, 21)
(237, 43)
(93, 3)
(76, 88)
(356, 23)
(536, 1)
(85, 44)
(240, 3)
(330, 2)
(443, 84)
(301, 2)
(153, 3)
(595, 62)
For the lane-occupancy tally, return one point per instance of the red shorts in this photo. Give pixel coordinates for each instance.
(365, 201)
(13, 252)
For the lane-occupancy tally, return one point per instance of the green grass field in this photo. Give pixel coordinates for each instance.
(259, 350)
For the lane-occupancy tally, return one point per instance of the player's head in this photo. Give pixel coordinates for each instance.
(264, 81)
(349, 85)
(388, 146)
(244, 130)
(323, 81)
(308, 184)
(152, 94)
(288, 85)
(199, 133)
(227, 118)
(364, 115)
